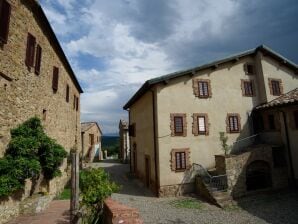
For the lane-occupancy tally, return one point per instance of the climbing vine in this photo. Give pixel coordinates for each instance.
(30, 153)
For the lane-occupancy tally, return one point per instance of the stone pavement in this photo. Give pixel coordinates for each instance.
(57, 213)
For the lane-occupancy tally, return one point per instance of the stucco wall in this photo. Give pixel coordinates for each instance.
(141, 114)
(178, 97)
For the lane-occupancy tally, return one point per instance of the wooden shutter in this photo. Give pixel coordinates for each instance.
(55, 78)
(74, 101)
(30, 50)
(77, 104)
(67, 93)
(5, 10)
(38, 59)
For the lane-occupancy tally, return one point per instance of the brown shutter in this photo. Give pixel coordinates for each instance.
(30, 50)
(77, 104)
(55, 78)
(67, 93)
(74, 101)
(38, 59)
(5, 10)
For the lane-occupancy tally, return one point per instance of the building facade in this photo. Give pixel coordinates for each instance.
(124, 152)
(91, 142)
(36, 80)
(176, 119)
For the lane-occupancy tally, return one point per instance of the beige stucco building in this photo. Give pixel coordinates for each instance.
(175, 119)
(36, 79)
(124, 152)
(91, 141)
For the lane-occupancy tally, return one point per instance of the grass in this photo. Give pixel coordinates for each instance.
(65, 195)
(187, 203)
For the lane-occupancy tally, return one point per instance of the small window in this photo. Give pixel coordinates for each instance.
(5, 10)
(249, 69)
(67, 93)
(203, 89)
(247, 88)
(202, 125)
(180, 161)
(38, 59)
(178, 125)
(275, 86)
(55, 79)
(77, 103)
(30, 52)
(271, 122)
(296, 118)
(132, 130)
(234, 123)
(74, 101)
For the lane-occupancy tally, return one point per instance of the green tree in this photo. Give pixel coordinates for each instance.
(224, 139)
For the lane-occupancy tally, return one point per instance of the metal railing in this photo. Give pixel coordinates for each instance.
(240, 145)
(214, 183)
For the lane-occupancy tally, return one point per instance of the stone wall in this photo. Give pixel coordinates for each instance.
(236, 167)
(88, 150)
(23, 94)
(176, 190)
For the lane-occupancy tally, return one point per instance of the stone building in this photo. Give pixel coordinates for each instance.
(175, 119)
(36, 79)
(124, 152)
(91, 141)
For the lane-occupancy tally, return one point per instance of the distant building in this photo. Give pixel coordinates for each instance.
(36, 79)
(91, 142)
(175, 120)
(124, 152)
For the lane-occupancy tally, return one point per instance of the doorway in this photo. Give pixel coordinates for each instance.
(258, 176)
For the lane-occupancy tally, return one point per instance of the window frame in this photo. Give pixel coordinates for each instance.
(180, 132)
(228, 119)
(245, 82)
(273, 89)
(187, 163)
(4, 21)
(30, 51)
(195, 125)
(196, 88)
(203, 87)
(181, 162)
(67, 97)
(55, 80)
(173, 128)
(246, 68)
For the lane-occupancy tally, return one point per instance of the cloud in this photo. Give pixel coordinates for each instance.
(114, 46)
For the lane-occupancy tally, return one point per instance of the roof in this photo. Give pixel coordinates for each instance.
(39, 13)
(285, 99)
(149, 83)
(85, 126)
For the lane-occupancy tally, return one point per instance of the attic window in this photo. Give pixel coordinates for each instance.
(249, 69)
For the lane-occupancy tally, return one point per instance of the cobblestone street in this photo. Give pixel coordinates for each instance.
(281, 207)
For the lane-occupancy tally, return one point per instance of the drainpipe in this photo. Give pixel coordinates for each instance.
(155, 145)
(289, 147)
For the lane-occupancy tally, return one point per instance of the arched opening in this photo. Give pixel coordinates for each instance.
(258, 176)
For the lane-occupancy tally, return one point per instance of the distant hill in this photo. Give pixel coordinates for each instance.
(111, 144)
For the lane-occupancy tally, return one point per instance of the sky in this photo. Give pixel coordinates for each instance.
(114, 46)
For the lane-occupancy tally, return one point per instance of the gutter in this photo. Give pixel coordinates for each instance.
(155, 145)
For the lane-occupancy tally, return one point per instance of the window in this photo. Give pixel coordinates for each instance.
(275, 87)
(77, 103)
(296, 118)
(178, 125)
(55, 79)
(5, 10)
(233, 121)
(74, 101)
(180, 159)
(249, 69)
(132, 130)
(30, 51)
(67, 93)
(271, 122)
(247, 88)
(203, 89)
(44, 115)
(200, 124)
(38, 59)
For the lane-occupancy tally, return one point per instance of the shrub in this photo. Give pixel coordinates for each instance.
(95, 187)
(29, 153)
(224, 139)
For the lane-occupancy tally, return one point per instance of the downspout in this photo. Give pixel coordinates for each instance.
(289, 147)
(155, 145)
